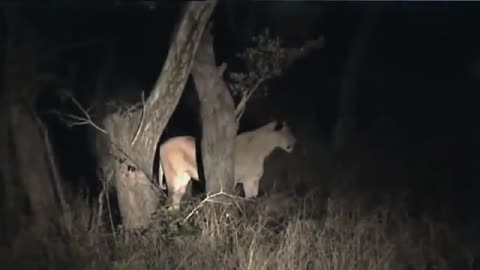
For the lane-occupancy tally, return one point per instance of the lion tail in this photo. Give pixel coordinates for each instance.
(161, 183)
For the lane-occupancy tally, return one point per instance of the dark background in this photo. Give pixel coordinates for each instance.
(417, 88)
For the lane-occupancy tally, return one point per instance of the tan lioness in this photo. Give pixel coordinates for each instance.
(178, 158)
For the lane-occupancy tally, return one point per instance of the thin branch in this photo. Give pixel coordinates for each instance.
(245, 97)
(221, 69)
(75, 120)
(109, 208)
(99, 211)
(87, 119)
(209, 199)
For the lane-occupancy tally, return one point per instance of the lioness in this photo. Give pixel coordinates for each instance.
(178, 158)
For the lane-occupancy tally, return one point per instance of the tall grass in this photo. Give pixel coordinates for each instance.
(272, 232)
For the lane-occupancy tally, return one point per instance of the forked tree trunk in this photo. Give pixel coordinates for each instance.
(217, 111)
(134, 136)
(219, 115)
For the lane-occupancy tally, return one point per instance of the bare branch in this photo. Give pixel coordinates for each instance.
(209, 199)
(240, 109)
(103, 196)
(75, 120)
(79, 121)
(221, 69)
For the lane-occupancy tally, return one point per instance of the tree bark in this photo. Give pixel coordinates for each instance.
(217, 112)
(100, 144)
(348, 90)
(9, 203)
(134, 136)
(33, 167)
(21, 68)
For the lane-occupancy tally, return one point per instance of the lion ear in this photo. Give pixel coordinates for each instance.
(278, 125)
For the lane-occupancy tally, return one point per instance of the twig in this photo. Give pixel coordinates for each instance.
(100, 210)
(245, 97)
(209, 199)
(109, 209)
(110, 216)
(85, 120)
(132, 108)
(141, 120)
(221, 69)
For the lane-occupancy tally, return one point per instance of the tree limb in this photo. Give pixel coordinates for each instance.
(169, 86)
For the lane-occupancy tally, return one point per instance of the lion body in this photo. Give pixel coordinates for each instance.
(178, 158)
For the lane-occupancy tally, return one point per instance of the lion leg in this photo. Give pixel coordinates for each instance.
(188, 191)
(189, 188)
(250, 188)
(177, 192)
(161, 184)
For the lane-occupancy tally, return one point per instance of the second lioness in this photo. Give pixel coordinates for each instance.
(178, 158)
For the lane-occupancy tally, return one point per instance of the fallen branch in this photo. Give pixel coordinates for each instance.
(209, 199)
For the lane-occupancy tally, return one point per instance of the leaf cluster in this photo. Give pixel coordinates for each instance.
(264, 60)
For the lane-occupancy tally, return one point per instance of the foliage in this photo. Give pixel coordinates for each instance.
(266, 59)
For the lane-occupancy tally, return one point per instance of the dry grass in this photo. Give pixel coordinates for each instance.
(273, 232)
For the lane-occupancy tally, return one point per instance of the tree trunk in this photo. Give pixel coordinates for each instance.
(21, 68)
(217, 112)
(32, 164)
(348, 90)
(10, 203)
(100, 144)
(134, 136)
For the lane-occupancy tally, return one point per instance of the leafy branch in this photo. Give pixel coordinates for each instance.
(266, 59)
